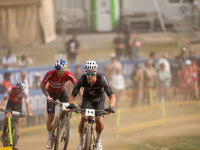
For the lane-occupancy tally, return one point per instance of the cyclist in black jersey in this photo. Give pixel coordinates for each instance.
(94, 85)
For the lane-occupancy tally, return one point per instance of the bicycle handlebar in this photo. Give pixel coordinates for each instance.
(57, 103)
(103, 112)
(16, 113)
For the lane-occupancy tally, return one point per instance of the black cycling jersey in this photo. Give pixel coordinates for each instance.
(98, 87)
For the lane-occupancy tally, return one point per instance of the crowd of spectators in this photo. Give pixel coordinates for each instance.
(168, 79)
(9, 61)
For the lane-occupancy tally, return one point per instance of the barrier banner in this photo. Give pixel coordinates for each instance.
(128, 66)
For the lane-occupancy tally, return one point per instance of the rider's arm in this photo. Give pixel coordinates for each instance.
(77, 86)
(108, 91)
(5, 98)
(26, 98)
(28, 109)
(43, 84)
(3, 102)
(112, 100)
(44, 90)
(71, 99)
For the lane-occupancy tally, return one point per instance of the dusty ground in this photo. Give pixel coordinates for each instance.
(181, 122)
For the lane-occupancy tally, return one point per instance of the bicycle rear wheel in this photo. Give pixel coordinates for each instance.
(64, 133)
(14, 135)
(88, 137)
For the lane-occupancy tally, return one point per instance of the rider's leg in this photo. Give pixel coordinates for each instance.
(5, 122)
(99, 127)
(50, 124)
(80, 128)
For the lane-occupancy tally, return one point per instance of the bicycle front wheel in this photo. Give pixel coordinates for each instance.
(14, 134)
(64, 133)
(88, 137)
(54, 135)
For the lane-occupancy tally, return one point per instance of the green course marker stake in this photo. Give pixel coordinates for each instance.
(163, 111)
(151, 98)
(9, 124)
(118, 121)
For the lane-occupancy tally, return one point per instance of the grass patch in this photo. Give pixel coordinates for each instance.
(175, 143)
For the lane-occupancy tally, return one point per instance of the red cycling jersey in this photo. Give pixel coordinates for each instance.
(56, 83)
(13, 97)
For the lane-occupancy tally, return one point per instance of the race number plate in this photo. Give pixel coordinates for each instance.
(65, 106)
(90, 112)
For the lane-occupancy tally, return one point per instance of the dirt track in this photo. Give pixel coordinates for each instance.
(35, 139)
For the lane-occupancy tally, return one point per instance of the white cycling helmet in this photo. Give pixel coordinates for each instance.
(60, 65)
(91, 65)
(20, 85)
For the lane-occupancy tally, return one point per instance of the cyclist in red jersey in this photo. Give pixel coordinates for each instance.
(56, 78)
(15, 94)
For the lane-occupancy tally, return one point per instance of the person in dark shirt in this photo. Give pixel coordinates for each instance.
(128, 32)
(136, 77)
(175, 67)
(182, 56)
(72, 49)
(119, 45)
(78, 72)
(94, 85)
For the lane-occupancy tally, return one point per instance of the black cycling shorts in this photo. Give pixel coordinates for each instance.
(62, 97)
(97, 102)
(14, 107)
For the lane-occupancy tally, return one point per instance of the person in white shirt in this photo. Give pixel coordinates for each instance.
(164, 61)
(118, 85)
(9, 60)
(29, 83)
(25, 61)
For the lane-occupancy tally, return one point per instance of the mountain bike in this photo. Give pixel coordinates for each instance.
(89, 127)
(14, 128)
(61, 127)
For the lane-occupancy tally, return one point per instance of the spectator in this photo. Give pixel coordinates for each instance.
(149, 77)
(72, 49)
(134, 46)
(118, 85)
(136, 77)
(195, 68)
(119, 45)
(164, 78)
(113, 66)
(165, 61)
(175, 68)
(29, 120)
(25, 61)
(127, 32)
(153, 57)
(198, 65)
(37, 81)
(78, 71)
(186, 81)
(182, 56)
(29, 85)
(9, 60)
(6, 82)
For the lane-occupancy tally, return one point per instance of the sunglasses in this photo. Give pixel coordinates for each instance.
(60, 72)
(90, 74)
